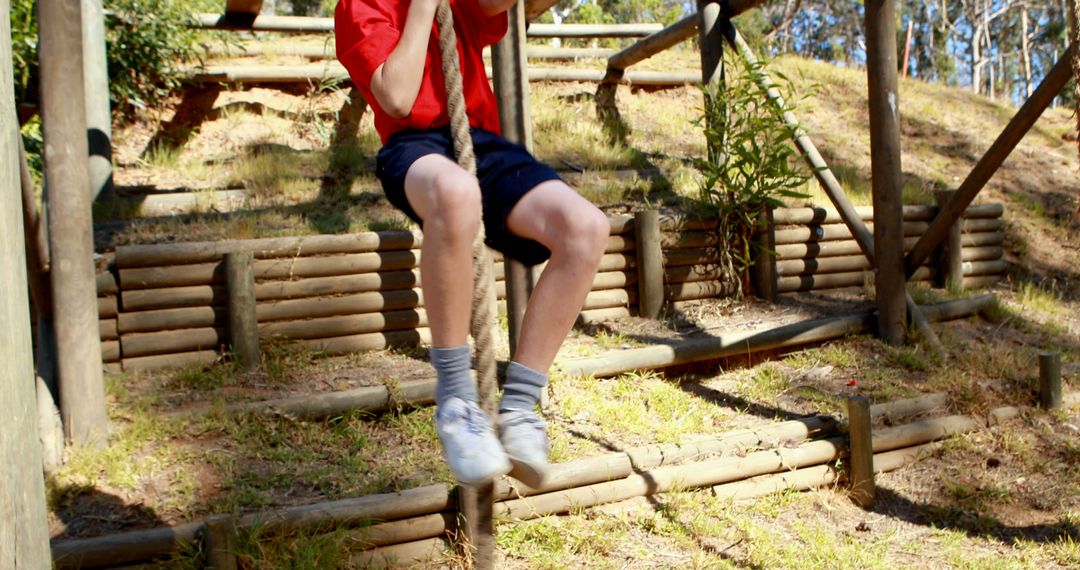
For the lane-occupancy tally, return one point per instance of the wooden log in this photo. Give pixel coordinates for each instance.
(616, 262)
(619, 244)
(344, 305)
(401, 531)
(1050, 380)
(123, 548)
(819, 266)
(982, 239)
(699, 290)
(593, 30)
(691, 273)
(802, 479)
(677, 257)
(831, 232)
(689, 239)
(608, 298)
(106, 285)
(597, 316)
(891, 412)
(662, 479)
(170, 319)
(889, 230)
(917, 213)
(837, 280)
(650, 264)
(174, 360)
(982, 225)
(655, 43)
(24, 527)
(130, 256)
(173, 341)
(1018, 126)
(860, 455)
(220, 542)
(108, 330)
(243, 326)
(369, 341)
(915, 433)
(827, 249)
(243, 6)
(337, 285)
(107, 308)
(950, 261)
(975, 268)
(763, 273)
(206, 273)
(613, 280)
(177, 297)
(984, 253)
(401, 555)
(345, 325)
(371, 399)
(110, 351)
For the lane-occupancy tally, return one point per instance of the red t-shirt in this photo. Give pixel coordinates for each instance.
(368, 30)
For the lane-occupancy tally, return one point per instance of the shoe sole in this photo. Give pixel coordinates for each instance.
(532, 474)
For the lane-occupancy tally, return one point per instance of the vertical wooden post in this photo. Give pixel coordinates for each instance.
(650, 263)
(98, 111)
(243, 325)
(711, 41)
(950, 255)
(24, 535)
(890, 280)
(220, 542)
(1050, 380)
(63, 111)
(861, 452)
(763, 271)
(509, 63)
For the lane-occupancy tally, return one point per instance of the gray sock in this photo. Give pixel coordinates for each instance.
(452, 368)
(523, 388)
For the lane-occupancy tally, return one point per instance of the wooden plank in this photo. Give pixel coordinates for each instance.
(170, 319)
(173, 342)
(346, 325)
(173, 297)
(831, 232)
(838, 280)
(24, 528)
(827, 249)
(655, 43)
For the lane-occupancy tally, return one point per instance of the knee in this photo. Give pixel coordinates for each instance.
(585, 236)
(455, 214)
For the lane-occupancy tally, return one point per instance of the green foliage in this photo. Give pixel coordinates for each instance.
(147, 44)
(750, 165)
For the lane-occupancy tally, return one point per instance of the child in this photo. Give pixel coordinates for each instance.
(390, 48)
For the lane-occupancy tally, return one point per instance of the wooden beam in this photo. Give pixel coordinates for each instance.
(1020, 124)
(655, 43)
(24, 531)
(243, 6)
(888, 199)
(63, 111)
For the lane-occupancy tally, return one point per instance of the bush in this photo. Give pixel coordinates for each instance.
(750, 164)
(147, 44)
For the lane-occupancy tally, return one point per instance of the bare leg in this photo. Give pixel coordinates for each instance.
(575, 231)
(447, 199)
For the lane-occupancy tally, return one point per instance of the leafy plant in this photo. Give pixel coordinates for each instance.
(750, 165)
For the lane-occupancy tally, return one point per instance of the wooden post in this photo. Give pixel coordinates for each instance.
(1020, 124)
(950, 260)
(24, 531)
(861, 453)
(63, 111)
(509, 62)
(890, 280)
(711, 41)
(243, 325)
(220, 542)
(1050, 380)
(98, 111)
(763, 272)
(650, 264)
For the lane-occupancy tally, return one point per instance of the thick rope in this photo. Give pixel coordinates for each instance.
(484, 305)
(476, 504)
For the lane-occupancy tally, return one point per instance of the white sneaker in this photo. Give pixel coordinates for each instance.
(524, 436)
(469, 444)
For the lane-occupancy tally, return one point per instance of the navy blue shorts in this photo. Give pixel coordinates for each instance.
(506, 171)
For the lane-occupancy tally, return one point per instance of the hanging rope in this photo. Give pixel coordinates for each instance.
(478, 506)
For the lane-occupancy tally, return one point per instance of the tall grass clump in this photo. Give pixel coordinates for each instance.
(750, 164)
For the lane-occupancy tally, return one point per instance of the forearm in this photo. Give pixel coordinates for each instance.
(396, 82)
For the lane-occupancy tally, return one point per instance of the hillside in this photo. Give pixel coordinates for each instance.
(288, 159)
